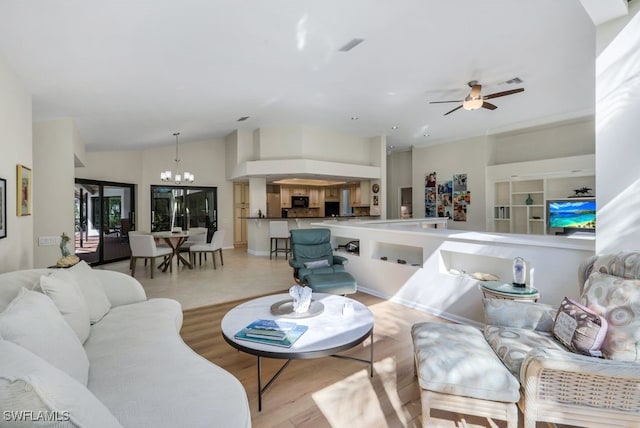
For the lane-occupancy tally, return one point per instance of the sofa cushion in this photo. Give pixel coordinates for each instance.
(518, 314)
(579, 328)
(92, 290)
(513, 344)
(442, 354)
(143, 372)
(30, 384)
(32, 321)
(60, 287)
(618, 300)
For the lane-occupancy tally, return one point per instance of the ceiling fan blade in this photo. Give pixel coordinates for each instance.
(440, 102)
(489, 106)
(451, 111)
(502, 94)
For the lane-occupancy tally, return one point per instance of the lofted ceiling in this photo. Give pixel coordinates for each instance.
(130, 73)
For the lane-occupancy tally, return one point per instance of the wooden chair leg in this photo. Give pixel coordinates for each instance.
(153, 265)
(221, 259)
(213, 257)
(132, 264)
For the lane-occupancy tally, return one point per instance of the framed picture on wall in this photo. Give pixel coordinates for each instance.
(23, 190)
(3, 208)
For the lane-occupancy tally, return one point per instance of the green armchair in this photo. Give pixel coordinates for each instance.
(315, 265)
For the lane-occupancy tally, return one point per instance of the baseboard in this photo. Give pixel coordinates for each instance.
(424, 308)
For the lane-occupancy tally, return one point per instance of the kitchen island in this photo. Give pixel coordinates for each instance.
(258, 228)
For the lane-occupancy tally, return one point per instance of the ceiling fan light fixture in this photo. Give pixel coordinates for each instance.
(472, 103)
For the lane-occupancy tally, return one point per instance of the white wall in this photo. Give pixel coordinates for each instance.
(545, 142)
(205, 159)
(16, 250)
(53, 170)
(311, 143)
(464, 157)
(618, 134)
(471, 156)
(398, 175)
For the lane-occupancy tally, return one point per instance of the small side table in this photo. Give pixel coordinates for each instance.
(503, 290)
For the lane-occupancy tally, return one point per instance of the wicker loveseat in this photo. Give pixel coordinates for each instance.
(560, 386)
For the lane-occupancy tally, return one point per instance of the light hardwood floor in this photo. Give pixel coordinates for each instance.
(325, 392)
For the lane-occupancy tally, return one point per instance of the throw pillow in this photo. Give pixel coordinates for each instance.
(32, 321)
(579, 329)
(41, 392)
(92, 290)
(317, 264)
(65, 293)
(618, 300)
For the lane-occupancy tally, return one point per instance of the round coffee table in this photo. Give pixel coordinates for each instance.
(328, 333)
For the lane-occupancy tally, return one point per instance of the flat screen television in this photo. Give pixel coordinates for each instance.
(571, 215)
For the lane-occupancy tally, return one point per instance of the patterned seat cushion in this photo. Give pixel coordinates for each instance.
(513, 344)
(455, 359)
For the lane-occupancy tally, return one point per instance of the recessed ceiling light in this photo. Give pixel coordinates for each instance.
(426, 135)
(350, 45)
(394, 127)
(243, 118)
(354, 118)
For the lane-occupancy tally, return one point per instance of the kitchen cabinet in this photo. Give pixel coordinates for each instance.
(285, 197)
(299, 191)
(359, 194)
(332, 194)
(316, 198)
(241, 193)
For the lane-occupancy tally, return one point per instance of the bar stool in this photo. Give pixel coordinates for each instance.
(279, 230)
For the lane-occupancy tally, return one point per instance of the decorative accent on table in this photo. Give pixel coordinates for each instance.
(529, 200)
(301, 298)
(3, 208)
(582, 192)
(285, 308)
(67, 258)
(519, 272)
(23, 190)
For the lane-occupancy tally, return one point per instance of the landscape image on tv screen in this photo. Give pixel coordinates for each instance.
(572, 214)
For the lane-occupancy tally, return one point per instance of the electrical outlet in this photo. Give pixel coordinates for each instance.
(47, 241)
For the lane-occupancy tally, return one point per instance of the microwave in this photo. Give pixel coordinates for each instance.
(299, 202)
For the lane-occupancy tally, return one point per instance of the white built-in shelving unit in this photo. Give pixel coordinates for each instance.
(517, 193)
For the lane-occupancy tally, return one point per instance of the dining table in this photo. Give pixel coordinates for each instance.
(175, 240)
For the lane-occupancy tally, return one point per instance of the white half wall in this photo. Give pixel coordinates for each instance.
(16, 250)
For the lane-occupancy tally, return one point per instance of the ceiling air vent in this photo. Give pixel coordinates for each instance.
(243, 118)
(350, 45)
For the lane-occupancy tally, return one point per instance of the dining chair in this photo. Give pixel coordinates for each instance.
(197, 236)
(143, 246)
(214, 246)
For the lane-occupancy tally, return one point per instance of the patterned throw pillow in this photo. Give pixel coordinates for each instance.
(618, 300)
(579, 329)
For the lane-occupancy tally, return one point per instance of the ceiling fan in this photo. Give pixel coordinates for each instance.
(475, 100)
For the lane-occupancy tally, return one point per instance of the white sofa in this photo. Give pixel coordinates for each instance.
(133, 369)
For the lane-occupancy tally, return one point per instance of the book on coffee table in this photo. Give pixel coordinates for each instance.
(272, 332)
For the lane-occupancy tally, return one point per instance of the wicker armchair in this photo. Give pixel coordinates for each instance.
(563, 387)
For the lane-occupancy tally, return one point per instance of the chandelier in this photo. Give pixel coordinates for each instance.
(178, 178)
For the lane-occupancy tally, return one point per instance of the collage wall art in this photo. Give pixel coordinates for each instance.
(448, 198)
